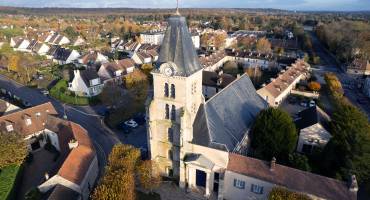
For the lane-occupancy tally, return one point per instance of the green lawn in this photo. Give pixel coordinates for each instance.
(60, 91)
(7, 180)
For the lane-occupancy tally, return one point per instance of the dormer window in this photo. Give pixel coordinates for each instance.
(38, 114)
(9, 127)
(28, 121)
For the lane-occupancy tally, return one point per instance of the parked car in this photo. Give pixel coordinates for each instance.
(312, 103)
(131, 123)
(45, 92)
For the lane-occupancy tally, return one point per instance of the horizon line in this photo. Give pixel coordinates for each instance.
(148, 8)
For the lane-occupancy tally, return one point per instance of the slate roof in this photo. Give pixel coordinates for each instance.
(307, 118)
(88, 75)
(223, 120)
(178, 47)
(211, 79)
(294, 179)
(62, 54)
(61, 192)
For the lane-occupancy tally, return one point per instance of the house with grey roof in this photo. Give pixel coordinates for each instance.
(86, 83)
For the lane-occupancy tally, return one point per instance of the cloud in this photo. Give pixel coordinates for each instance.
(280, 4)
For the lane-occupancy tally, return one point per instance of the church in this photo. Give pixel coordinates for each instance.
(203, 143)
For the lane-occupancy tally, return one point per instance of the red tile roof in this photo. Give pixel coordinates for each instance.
(290, 178)
(38, 116)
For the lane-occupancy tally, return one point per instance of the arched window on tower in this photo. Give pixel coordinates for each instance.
(166, 90)
(173, 91)
(173, 113)
(170, 135)
(167, 112)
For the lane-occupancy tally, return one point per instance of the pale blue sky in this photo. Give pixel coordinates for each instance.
(339, 5)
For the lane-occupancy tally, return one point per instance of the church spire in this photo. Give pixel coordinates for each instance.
(177, 8)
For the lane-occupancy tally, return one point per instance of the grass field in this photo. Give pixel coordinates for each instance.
(8, 177)
(60, 91)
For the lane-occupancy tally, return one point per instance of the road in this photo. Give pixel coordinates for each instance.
(349, 83)
(102, 137)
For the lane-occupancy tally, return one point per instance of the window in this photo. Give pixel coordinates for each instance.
(194, 88)
(166, 90)
(9, 128)
(173, 113)
(173, 91)
(167, 112)
(170, 135)
(239, 184)
(170, 156)
(38, 114)
(28, 122)
(256, 189)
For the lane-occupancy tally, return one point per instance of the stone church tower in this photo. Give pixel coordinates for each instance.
(177, 81)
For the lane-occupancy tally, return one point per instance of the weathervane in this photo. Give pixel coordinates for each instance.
(177, 8)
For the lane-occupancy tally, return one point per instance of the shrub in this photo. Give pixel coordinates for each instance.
(314, 86)
(279, 193)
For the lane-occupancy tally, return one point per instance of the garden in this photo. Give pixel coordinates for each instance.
(8, 177)
(60, 91)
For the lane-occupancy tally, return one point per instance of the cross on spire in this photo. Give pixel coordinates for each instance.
(177, 8)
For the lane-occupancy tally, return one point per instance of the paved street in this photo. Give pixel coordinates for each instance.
(85, 116)
(349, 83)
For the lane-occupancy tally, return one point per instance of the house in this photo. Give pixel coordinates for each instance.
(79, 41)
(129, 47)
(152, 37)
(195, 37)
(92, 58)
(57, 39)
(64, 56)
(39, 125)
(114, 71)
(52, 50)
(275, 92)
(311, 132)
(19, 44)
(214, 82)
(6, 107)
(40, 48)
(359, 67)
(141, 57)
(249, 178)
(86, 83)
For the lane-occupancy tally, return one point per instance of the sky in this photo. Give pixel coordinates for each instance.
(311, 5)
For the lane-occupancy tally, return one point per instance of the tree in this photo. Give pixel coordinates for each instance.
(299, 161)
(273, 135)
(231, 67)
(118, 182)
(148, 176)
(220, 40)
(112, 95)
(13, 149)
(263, 46)
(71, 33)
(348, 152)
(13, 63)
(278, 193)
(314, 86)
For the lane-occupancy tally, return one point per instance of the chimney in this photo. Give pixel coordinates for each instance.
(353, 185)
(272, 164)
